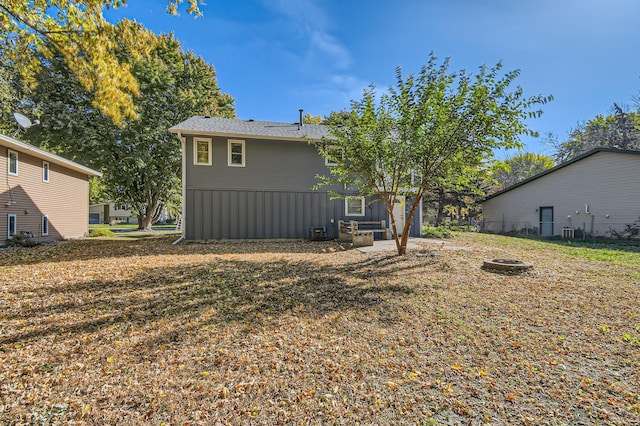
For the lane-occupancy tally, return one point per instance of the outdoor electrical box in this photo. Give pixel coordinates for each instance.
(317, 233)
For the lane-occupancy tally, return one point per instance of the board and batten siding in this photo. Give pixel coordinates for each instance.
(64, 198)
(607, 182)
(270, 197)
(249, 214)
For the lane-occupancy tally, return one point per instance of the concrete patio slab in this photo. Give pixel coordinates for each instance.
(412, 244)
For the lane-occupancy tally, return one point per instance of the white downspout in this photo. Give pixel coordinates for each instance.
(420, 217)
(183, 147)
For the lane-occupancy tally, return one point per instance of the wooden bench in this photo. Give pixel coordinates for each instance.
(351, 231)
(378, 227)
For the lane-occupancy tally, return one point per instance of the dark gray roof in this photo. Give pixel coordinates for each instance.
(560, 166)
(206, 125)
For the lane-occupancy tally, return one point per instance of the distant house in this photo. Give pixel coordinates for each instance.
(111, 213)
(597, 193)
(41, 194)
(253, 179)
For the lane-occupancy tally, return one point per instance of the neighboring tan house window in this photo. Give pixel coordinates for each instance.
(202, 154)
(45, 224)
(45, 171)
(236, 153)
(12, 225)
(13, 163)
(354, 206)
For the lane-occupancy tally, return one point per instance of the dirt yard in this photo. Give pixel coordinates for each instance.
(143, 332)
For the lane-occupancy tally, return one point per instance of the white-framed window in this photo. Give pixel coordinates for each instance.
(202, 154)
(332, 151)
(235, 150)
(354, 206)
(45, 171)
(12, 225)
(12, 162)
(45, 224)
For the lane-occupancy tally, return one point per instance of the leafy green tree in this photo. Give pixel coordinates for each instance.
(521, 167)
(139, 158)
(424, 132)
(336, 117)
(460, 195)
(11, 94)
(78, 33)
(620, 129)
(8, 99)
(97, 191)
(311, 119)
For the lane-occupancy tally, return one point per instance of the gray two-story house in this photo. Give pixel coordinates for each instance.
(247, 179)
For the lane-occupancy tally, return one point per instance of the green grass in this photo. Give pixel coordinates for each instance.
(621, 255)
(128, 226)
(108, 226)
(137, 235)
(104, 232)
(619, 252)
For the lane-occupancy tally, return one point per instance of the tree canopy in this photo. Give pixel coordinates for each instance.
(521, 167)
(620, 129)
(139, 158)
(77, 32)
(427, 130)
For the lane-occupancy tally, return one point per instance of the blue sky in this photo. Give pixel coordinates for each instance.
(276, 56)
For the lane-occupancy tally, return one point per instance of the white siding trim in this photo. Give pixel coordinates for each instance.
(209, 151)
(230, 163)
(38, 153)
(11, 152)
(46, 171)
(44, 227)
(346, 206)
(15, 225)
(183, 144)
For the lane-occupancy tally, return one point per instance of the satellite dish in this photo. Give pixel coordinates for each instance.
(23, 122)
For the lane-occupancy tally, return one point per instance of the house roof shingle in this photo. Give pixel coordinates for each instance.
(205, 125)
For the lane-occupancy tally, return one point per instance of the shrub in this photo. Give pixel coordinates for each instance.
(22, 241)
(102, 233)
(441, 232)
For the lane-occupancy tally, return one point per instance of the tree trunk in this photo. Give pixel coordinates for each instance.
(150, 213)
(402, 244)
(144, 222)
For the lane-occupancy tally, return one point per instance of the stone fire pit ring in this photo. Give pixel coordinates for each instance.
(506, 265)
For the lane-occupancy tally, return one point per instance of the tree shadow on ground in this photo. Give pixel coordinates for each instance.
(88, 249)
(213, 293)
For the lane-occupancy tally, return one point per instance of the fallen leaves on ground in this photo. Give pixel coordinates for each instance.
(292, 332)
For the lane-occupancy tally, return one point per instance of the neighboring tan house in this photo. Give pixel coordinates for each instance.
(253, 179)
(42, 195)
(597, 192)
(111, 213)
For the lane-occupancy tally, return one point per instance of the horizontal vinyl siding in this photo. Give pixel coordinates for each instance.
(64, 199)
(608, 182)
(269, 165)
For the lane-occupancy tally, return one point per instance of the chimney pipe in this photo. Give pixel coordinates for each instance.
(301, 123)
